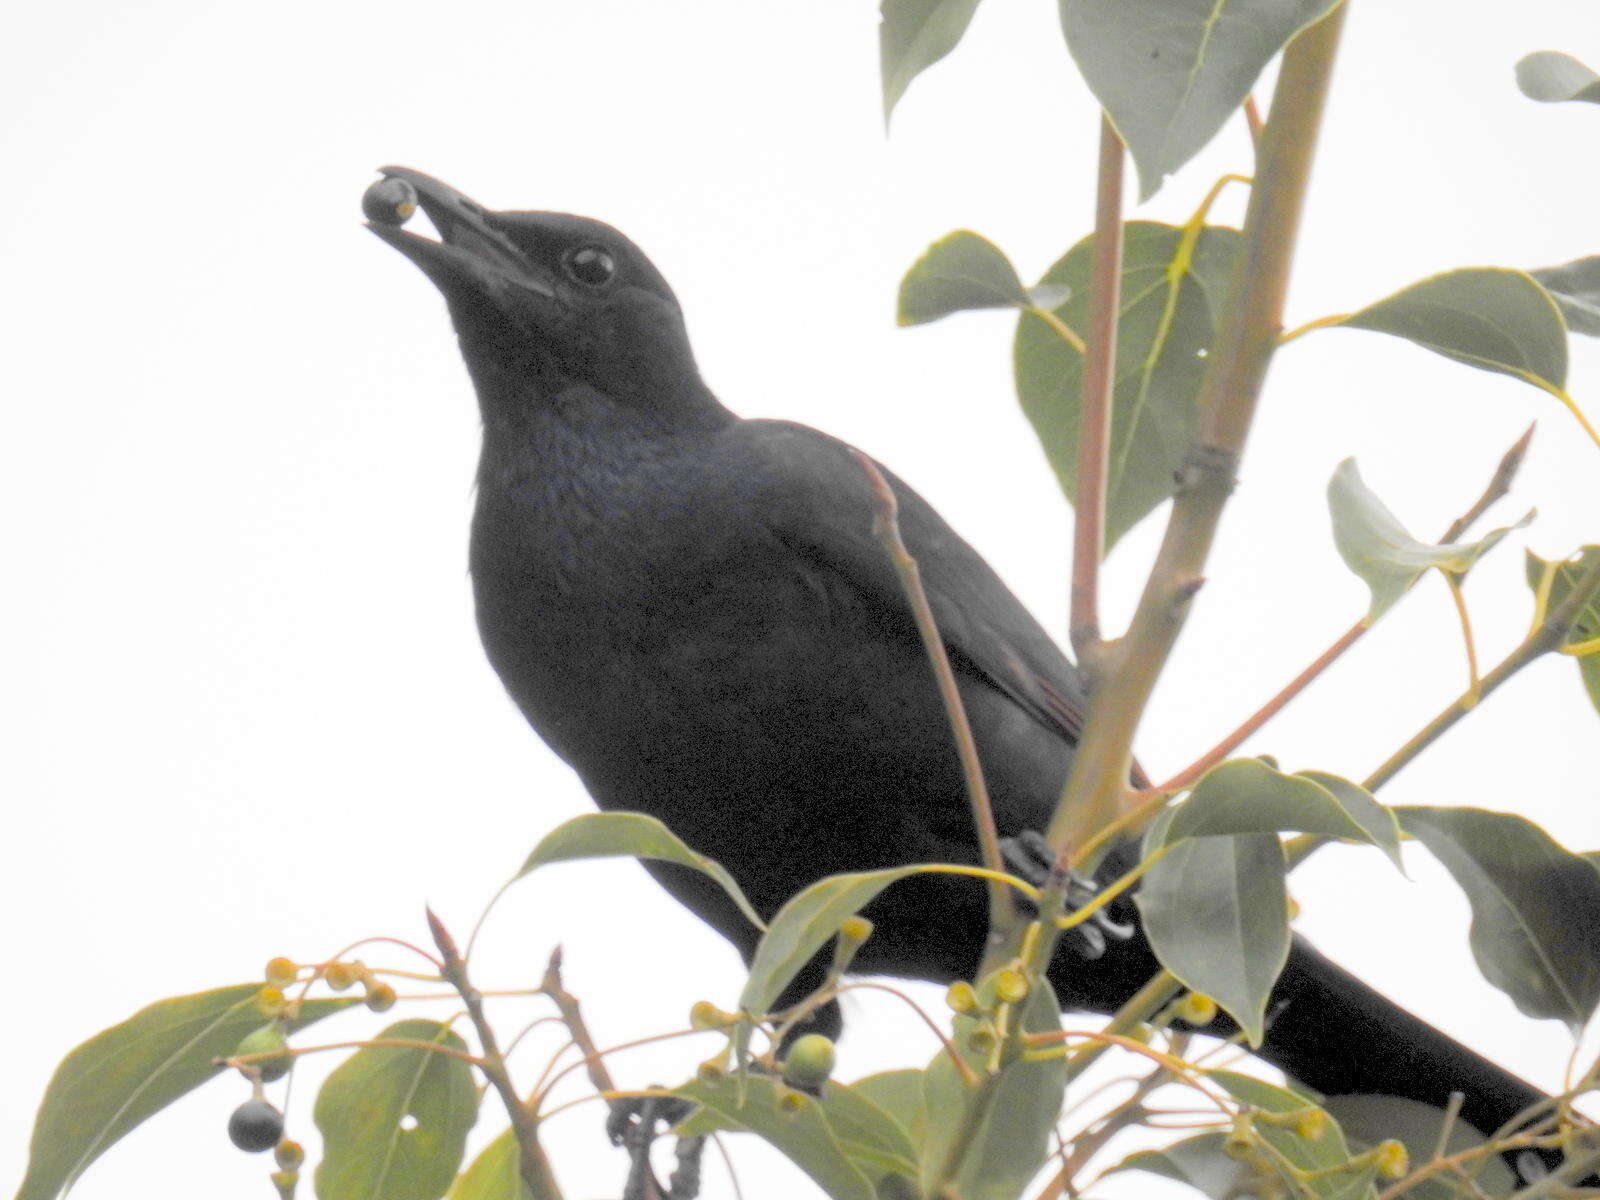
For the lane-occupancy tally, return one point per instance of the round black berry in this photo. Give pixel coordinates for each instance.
(255, 1126)
(389, 201)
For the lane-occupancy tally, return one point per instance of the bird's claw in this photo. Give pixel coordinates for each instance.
(1029, 855)
(632, 1125)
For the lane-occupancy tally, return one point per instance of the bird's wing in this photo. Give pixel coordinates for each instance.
(816, 498)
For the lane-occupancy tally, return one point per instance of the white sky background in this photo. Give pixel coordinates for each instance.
(246, 712)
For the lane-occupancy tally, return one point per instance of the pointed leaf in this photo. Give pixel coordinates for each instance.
(1586, 627)
(1550, 76)
(1246, 795)
(394, 1119)
(961, 271)
(631, 835)
(1493, 318)
(1535, 906)
(1216, 911)
(1198, 1161)
(791, 1121)
(869, 1133)
(1171, 75)
(1174, 284)
(1576, 288)
(804, 925)
(914, 35)
(1378, 548)
(118, 1078)
(496, 1174)
(1369, 1120)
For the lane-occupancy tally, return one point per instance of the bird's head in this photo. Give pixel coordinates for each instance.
(541, 300)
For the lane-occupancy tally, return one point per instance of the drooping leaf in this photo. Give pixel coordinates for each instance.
(1535, 907)
(629, 835)
(793, 1122)
(1246, 795)
(1576, 288)
(1550, 76)
(1011, 1141)
(1493, 318)
(1198, 1161)
(1170, 75)
(961, 271)
(1382, 552)
(1326, 1152)
(394, 1119)
(1174, 287)
(804, 925)
(496, 1174)
(1216, 911)
(115, 1080)
(1586, 626)
(869, 1133)
(1369, 1120)
(913, 35)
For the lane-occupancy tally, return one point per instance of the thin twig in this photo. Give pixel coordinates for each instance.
(533, 1165)
(1099, 382)
(1497, 488)
(1002, 909)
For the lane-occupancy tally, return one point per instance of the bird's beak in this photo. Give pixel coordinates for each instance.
(471, 251)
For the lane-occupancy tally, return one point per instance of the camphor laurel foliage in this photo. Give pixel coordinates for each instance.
(1193, 318)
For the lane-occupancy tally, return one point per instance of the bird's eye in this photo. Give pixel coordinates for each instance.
(590, 265)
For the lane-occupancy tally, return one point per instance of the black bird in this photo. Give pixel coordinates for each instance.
(692, 609)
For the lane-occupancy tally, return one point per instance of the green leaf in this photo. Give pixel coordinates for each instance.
(1216, 911)
(913, 35)
(960, 271)
(1369, 1120)
(1174, 286)
(1327, 1152)
(1586, 626)
(801, 1132)
(1378, 548)
(898, 1093)
(1246, 795)
(1535, 907)
(115, 1080)
(1576, 289)
(1012, 1141)
(868, 1132)
(803, 925)
(394, 1119)
(633, 835)
(496, 1174)
(1170, 75)
(1550, 76)
(1493, 318)
(1197, 1161)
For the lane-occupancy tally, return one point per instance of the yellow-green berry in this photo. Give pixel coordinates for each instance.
(706, 1015)
(380, 997)
(281, 972)
(340, 975)
(290, 1154)
(791, 1102)
(270, 1000)
(268, 1039)
(855, 929)
(1393, 1159)
(1010, 985)
(961, 997)
(810, 1061)
(1311, 1124)
(1196, 1008)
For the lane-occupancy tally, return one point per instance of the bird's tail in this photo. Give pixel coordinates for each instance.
(1338, 1036)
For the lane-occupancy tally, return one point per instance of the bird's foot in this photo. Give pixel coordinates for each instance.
(1030, 856)
(633, 1125)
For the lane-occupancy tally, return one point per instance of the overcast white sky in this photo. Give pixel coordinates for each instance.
(246, 711)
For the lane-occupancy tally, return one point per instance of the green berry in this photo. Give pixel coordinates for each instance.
(266, 1040)
(255, 1126)
(380, 997)
(810, 1061)
(281, 972)
(290, 1155)
(1010, 985)
(340, 975)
